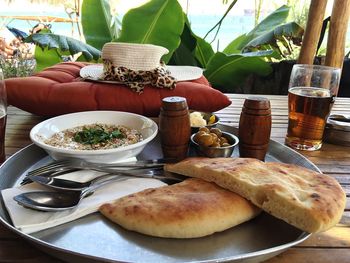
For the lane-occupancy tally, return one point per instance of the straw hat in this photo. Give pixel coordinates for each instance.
(133, 56)
(137, 65)
(145, 57)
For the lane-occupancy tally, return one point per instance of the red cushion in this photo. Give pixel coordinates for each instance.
(59, 90)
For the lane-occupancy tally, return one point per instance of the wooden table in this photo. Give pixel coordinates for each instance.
(334, 160)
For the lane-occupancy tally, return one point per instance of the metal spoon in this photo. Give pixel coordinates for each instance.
(49, 201)
(69, 198)
(60, 184)
(60, 200)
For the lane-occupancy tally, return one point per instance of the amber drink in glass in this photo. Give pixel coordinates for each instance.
(311, 94)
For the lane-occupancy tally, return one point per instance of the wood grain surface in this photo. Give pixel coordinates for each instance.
(334, 160)
(256, 118)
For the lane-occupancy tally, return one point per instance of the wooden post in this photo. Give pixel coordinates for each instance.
(312, 32)
(337, 33)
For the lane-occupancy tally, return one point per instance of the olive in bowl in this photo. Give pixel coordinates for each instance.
(214, 142)
(202, 119)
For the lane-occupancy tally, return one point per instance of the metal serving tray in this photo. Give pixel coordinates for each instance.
(95, 239)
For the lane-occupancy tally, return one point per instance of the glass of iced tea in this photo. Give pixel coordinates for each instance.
(3, 116)
(311, 94)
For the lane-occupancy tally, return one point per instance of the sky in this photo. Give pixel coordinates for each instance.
(199, 6)
(195, 6)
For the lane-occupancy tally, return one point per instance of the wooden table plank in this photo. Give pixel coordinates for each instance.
(313, 255)
(335, 237)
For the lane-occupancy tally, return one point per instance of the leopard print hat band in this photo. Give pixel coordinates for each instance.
(158, 77)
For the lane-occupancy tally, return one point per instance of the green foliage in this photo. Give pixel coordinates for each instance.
(185, 53)
(46, 57)
(159, 22)
(227, 72)
(193, 50)
(283, 34)
(99, 26)
(63, 44)
(17, 66)
(204, 51)
(153, 24)
(163, 22)
(276, 18)
(98, 134)
(234, 46)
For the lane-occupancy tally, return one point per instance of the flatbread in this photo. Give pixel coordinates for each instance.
(192, 208)
(303, 198)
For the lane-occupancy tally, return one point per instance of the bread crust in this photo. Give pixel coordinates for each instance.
(308, 200)
(192, 208)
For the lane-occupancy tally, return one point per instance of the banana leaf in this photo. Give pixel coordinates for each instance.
(193, 50)
(203, 52)
(99, 26)
(234, 46)
(282, 34)
(271, 21)
(274, 19)
(228, 72)
(158, 22)
(46, 58)
(63, 43)
(184, 54)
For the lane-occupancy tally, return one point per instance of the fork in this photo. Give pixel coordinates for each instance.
(52, 166)
(56, 168)
(82, 164)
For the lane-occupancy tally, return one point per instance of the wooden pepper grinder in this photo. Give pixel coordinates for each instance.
(174, 127)
(255, 128)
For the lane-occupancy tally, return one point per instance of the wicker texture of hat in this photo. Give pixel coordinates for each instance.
(133, 56)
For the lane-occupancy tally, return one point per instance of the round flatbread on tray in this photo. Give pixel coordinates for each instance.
(192, 208)
(306, 199)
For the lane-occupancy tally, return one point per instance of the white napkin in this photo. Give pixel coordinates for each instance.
(29, 221)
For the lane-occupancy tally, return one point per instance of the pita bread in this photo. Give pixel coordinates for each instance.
(192, 208)
(306, 199)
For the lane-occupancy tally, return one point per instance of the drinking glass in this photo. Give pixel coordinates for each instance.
(311, 94)
(3, 116)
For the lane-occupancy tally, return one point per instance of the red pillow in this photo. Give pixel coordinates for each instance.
(59, 90)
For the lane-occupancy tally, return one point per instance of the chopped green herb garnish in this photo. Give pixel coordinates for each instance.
(96, 135)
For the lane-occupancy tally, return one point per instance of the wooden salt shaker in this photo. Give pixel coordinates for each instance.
(174, 127)
(255, 128)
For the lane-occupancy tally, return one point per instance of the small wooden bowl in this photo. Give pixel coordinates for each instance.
(214, 152)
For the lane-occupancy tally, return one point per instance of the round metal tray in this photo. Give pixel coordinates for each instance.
(94, 238)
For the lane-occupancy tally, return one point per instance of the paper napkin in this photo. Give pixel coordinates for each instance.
(29, 221)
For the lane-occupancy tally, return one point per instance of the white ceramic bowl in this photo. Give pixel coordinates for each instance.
(44, 130)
